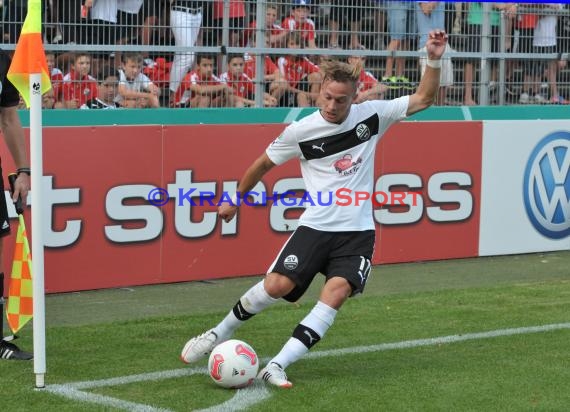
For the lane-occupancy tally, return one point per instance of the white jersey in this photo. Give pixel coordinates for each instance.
(337, 157)
(141, 83)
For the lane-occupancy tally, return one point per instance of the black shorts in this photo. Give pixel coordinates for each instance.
(4, 221)
(334, 254)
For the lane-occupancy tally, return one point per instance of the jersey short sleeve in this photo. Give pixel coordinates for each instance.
(285, 147)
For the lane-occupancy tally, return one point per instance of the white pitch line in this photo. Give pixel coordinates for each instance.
(243, 399)
(71, 393)
(247, 397)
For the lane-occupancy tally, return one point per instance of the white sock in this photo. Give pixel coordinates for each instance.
(252, 302)
(306, 334)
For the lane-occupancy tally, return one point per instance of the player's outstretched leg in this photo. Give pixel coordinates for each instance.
(252, 302)
(305, 336)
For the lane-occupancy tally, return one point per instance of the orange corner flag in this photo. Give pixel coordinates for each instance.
(20, 294)
(30, 56)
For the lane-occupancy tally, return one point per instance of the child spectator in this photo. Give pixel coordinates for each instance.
(107, 91)
(302, 76)
(56, 76)
(49, 101)
(276, 32)
(274, 82)
(300, 22)
(78, 85)
(368, 86)
(201, 88)
(244, 88)
(135, 88)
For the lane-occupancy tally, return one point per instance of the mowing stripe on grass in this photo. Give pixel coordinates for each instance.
(247, 397)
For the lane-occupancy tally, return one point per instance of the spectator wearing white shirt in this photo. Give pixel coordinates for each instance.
(544, 41)
(136, 90)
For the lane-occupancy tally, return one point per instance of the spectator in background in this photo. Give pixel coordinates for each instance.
(274, 82)
(128, 20)
(236, 24)
(531, 77)
(355, 10)
(185, 23)
(474, 28)
(544, 42)
(201, 88)
(431, 16)
(78, 85)
(136, 90)
(302, 76)
(56, 76)
(50, 102)
(107, 91)
(244, 89)
(402, 27)
(299, 21)
(276, 32)
(368, 87)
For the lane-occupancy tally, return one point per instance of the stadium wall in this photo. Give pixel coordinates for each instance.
(485, 188)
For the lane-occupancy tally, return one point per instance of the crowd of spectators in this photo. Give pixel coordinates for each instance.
(120, 77)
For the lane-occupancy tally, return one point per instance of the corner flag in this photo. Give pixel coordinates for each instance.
(20, 294)
(29, 56)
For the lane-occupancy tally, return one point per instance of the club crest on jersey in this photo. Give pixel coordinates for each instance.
(345, 166)
(291, 262)
(362, 132)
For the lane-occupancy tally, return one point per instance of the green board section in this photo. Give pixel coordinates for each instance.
(276, 115)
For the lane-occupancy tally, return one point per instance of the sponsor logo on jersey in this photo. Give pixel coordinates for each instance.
(346, 166)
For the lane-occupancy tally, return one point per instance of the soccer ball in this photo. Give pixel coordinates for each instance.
(233, 364)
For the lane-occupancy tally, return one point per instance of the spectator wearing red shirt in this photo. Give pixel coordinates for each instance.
(302, 76)
(275, 84)
(368, 87)
(78, 85)
(276, 32)
(236, 22)
(244, 88)
(201, 88)
(56, 76)
(299, 21)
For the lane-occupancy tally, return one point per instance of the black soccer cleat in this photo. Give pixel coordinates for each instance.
(10, 351)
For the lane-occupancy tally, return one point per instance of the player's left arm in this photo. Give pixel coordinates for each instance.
(14, 137)
(427, 90)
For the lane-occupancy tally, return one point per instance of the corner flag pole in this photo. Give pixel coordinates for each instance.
(29, 74)
(36, 159)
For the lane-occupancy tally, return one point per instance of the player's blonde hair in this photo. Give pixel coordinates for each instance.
(341, 72)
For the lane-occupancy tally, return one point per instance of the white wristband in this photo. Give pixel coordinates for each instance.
(434, 64)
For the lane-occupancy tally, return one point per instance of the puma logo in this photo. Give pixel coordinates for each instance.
(319, 147)
(311, 339)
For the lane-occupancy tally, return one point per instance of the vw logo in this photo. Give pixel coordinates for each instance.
(547, 186)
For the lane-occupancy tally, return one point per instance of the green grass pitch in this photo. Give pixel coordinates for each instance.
(98, 335)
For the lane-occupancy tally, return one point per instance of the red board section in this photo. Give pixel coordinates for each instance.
(101, 232)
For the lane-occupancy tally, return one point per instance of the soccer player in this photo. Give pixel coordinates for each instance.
(336, 241)
(14, 138)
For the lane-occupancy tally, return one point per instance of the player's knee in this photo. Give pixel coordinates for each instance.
(277, 285)
(335, 292)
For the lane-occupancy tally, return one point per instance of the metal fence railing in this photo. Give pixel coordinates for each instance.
(194, 53)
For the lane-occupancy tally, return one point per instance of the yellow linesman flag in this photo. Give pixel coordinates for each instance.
(20, 293)
(30, 56)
